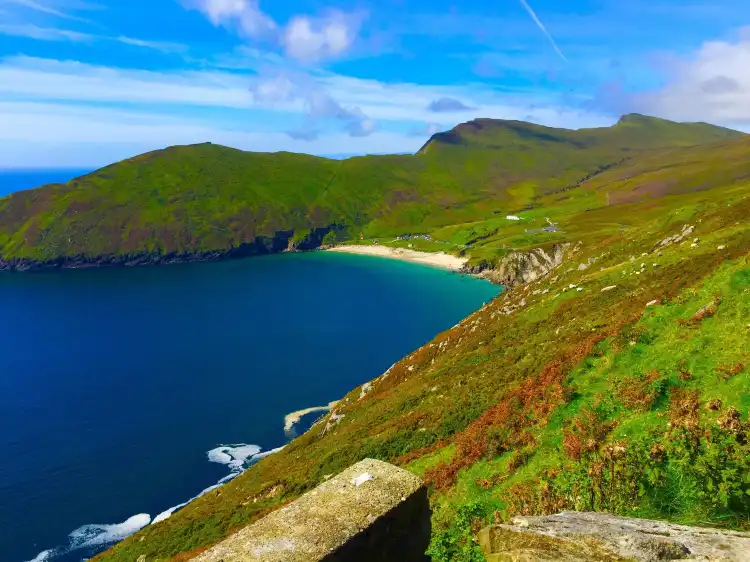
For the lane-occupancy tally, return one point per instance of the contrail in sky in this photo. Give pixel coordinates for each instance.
(539, 23)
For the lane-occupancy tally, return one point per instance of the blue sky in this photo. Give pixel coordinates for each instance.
(87, 82)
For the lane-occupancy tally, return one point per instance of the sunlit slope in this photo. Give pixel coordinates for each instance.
(207, 198)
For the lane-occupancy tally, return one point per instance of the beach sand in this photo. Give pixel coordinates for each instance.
(436, 259)
(291, 419)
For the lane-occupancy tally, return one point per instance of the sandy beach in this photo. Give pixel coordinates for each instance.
(436, 259)
(291, 419)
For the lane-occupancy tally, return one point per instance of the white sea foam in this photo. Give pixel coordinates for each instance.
(100, 535)
(43, 556)
(234, 456)
(168, 513)
(266, 453)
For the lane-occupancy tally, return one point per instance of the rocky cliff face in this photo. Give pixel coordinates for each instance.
(573, 536)
(518, 268)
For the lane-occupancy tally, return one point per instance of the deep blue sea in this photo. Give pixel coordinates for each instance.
(126, 392)
(16, 180)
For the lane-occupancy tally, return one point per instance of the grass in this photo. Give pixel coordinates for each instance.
(546, 398)
(207, 198)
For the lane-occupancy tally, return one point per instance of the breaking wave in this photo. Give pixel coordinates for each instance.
(237, 457)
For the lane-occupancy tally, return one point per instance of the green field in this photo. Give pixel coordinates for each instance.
(619, 382)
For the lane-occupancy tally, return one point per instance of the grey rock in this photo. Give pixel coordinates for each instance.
(582, 536)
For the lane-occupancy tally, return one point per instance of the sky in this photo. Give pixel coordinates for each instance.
(84, 83)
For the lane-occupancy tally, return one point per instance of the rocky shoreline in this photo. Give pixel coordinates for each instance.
(516, 268)
(281, 241)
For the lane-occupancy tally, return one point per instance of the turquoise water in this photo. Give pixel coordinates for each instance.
(125, 392)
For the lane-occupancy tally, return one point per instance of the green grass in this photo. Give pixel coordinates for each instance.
(207, 198)
(487, 412)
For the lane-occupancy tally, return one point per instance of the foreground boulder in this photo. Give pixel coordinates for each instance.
(583, 536)
(370, 512)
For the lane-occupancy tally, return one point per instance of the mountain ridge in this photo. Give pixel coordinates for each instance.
(610, 375)
(208, 200)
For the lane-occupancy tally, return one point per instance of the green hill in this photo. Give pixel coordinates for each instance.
(204, 201)
(617, 382)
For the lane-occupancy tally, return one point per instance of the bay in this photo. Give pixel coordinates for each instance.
(115, 384)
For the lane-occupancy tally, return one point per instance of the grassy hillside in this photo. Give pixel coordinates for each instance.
(208, 198)
(619, 382)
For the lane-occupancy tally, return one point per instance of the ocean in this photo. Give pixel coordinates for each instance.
(16, 180)
(126, 392)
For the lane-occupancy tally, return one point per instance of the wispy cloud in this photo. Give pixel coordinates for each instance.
(164, 46)
(319, 94)
(88, 136)
(319, 104)
(541, 26)
(448, 105)
(46, 8)
(242, 15)
(712, 84)
(29, 31)
(43, 33)
(425, 130)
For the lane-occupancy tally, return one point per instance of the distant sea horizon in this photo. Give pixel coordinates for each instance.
(19, 179)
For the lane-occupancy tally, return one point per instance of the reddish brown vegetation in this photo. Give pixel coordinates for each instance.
(684, 409)
(585, 434)
(638, 393)
(728, 372)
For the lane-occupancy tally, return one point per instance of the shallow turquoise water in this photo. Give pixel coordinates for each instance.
(118, 387)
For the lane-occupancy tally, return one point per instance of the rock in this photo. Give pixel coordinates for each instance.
(141, 558)
(686, 231)
(524, 267)
(694, 245)
(384, 518)
(579, 289)
(364, 390)
(583, 536)
(652, 303)
(722, 247)
(610, 288)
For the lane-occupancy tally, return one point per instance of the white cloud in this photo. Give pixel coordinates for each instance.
(711, 85)
(317, 94)
(286, 88)
(32, 78)
(114, 112)
(425, 130)
(242, 14)
(304, 38)
(56, 135)
(309, 39)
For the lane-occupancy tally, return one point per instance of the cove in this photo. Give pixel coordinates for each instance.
(125, 392)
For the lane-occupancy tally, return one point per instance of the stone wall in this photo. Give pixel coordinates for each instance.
(371, 512)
